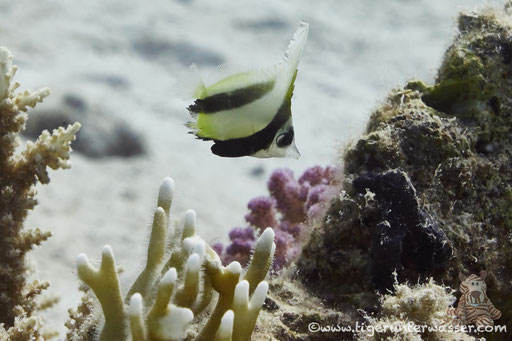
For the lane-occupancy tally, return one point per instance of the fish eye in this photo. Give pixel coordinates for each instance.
(285, 139)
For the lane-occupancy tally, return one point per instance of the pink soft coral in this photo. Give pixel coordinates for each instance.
(292, 207)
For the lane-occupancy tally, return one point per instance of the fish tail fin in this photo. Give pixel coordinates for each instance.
(193, 110)
(294, 50)
(194, 130)
(192, 125)
(191, 84)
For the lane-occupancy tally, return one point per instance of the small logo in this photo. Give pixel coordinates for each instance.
(474, 307)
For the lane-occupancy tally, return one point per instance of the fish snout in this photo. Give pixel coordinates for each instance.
(293, 152)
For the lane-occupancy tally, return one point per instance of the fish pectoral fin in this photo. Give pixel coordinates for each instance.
(229, 149)
(190, 85)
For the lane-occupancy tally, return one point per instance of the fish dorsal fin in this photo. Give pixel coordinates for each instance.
(296, 45)
(227, 77)
(224, 71)
(190, 84)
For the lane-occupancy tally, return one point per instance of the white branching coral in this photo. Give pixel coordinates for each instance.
(246, 310)
(182, 279)
(105, 284)
(19, 173)
(7, 72)
(225, 331)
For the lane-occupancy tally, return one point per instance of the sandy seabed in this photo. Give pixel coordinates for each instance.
(120, 60)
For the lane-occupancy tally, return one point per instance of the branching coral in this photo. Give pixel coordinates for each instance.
(19, 172)
(180, 281)
(292, 208)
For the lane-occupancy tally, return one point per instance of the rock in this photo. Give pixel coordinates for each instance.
(101, 135)
(428, 187)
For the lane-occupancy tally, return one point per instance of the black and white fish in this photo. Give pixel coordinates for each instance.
(247, 112)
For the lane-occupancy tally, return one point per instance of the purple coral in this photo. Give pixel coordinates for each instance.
(242, 240)
(318, 175)
(218, 247)
(262, 213)
(289, 195)
(287, 249)
(292, 207)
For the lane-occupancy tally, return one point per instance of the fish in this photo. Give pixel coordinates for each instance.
(247, 112)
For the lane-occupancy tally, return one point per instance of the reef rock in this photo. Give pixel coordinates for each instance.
(428, 187)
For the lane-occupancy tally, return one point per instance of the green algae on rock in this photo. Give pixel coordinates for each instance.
(453, 142)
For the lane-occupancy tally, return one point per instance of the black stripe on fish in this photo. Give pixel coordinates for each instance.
(231, 99)
(260, 140)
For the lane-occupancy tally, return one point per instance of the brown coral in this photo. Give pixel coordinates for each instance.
(19, 172)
